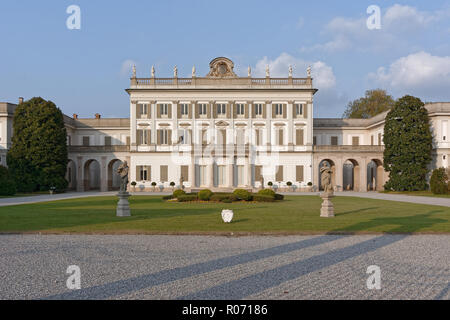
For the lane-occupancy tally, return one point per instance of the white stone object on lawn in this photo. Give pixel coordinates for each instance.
(227, 215)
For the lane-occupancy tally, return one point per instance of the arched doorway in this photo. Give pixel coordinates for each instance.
(375, 173)
(91, 175)
(332, 165)
(71, 175)
(113, 177)
(351, 175)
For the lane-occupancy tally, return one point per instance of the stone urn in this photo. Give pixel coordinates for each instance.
(227, 215)
(327, 210)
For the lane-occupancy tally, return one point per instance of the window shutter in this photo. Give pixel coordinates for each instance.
(138, 111)
(305, 111)
(299, 137)
(253, 110)
(169, 137)
(280, 137)
(190, 110)
(294, 110)
(246, 106)
(169, 110)
(273, 111)
(208, 110)
(284, 106)
(163, 173)
(234, 110)
(138, 173)
(279, 174)
(189, 137)
(179, 111)
(258, 173)
(158, 111)
(355, 141)
(158, 137)
(214, 109)
(299, 173)
(149, 137)
(149, 173)
(185, 173)
(197, 113)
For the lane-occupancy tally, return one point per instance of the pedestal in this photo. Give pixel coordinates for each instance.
(123, 206)
(327, 210)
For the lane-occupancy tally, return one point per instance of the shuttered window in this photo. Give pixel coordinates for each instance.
(107, 141)
(299, 137)
(334, 141)
(355, 141)
(185, 173)
(258, 173)
(85, 141)
(164, 173)
(279, 174)
(299, 173)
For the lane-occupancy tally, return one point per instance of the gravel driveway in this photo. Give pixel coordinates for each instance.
(213, 267)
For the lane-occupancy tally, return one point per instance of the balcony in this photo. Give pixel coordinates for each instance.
(84, 149)
(348, 148)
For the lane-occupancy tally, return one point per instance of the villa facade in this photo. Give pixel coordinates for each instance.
(222, 131)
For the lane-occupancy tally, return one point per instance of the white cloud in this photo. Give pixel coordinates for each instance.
(397, 22)
(126, 67)
(419, 73)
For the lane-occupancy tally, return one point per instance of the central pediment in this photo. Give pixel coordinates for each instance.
(221, 68)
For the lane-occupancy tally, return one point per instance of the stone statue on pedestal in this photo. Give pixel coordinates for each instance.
(123, 206)
(327, 209)
(123, 173)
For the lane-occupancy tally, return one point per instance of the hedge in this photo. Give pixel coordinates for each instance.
(243, 194)
(187, 198)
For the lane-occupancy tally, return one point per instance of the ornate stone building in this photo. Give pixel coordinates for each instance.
(222, 131)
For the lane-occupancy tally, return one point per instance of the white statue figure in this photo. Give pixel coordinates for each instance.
(193, 71)
(308, 72)
(249, 71)
(290, 71)
(227, 215)
(175, 72)
(134, 71)
(267, 71)
(153, 71)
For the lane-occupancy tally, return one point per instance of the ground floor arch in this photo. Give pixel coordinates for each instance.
(113, 177)
(375, 175)
(92, 175)
(350, 175)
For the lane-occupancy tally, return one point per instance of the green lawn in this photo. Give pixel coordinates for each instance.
(17, 195)
(296, 214)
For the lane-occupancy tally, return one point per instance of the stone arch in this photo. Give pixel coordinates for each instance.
(351, 175)
(71, 175)
(113, 177)
(375, 173)
(332, 165)
(92, 175)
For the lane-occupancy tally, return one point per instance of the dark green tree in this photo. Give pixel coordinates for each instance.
(438, 181)
(408, 144)
(7, 185)
(374, 102)
(38, 158)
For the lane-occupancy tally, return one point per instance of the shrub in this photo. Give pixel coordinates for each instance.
(187, 198)
(7, 184)
(168, 197)
(227, 200)
(289, 183)
(438, 181)
(270, 183)
(243, 194)
(178, 193)
(154, 184)
(267, 192)
(205, 194)
(133, 183)
(224, 197)
(263, 198)
(279, 196)
(310, 184)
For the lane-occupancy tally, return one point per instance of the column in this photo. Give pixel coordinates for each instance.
(363, 175)
(153, 117)
(339, 174)
(248, 172)
(269, 123)
(211, 173)
(103, 175)
(290, 138)
(80, 171)
(309, 121)
(133, 126)
(192, 172)
(230, 173)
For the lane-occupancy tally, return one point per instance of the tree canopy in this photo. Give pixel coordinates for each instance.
(408, 145)
(38, 157)
(374, 102)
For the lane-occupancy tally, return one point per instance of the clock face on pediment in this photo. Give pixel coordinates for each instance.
(221, 68)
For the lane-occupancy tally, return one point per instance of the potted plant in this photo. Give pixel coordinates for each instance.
(310, 185)
(154, 185)
(52, 189)
(275, 187)
(270, 184)
(133, 184)
(142, 187)
(161, 187)
(289, 184)
(172, 184)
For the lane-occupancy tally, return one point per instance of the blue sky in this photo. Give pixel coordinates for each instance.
(86, 71)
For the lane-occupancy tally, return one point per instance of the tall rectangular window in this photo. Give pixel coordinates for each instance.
(107, 141)
(183, 137)
(299, 137)
(184, 109)
(298, 109)
(299, 173)
(86, 141)
(240, 175)
(164, 136)
(202, 109)
(164, 109)
(280, 137)
(355, 141)
(144, 109)
(279, 174)
(221, 109)
(240, 109)
(221, 175)
(259, 137)
(278, 109)
(143, 173)
(258, 109)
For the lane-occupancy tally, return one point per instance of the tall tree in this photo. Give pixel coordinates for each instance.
(38, 158)
(408, 144)
(374, 102)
